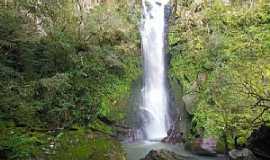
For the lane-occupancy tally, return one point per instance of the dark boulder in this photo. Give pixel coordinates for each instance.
(4, 152)
(259, 142)
(165, 155)
(242, 154)
(173, 137)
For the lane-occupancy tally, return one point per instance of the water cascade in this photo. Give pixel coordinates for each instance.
(154, 107)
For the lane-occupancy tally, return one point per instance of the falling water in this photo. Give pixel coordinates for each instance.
(154, 93)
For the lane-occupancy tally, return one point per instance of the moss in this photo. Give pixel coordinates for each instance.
(20, 143)
(220, 146)
(98, 125)
(85, 145)
(80, 144)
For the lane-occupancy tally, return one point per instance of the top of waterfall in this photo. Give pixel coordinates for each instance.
(159, 2)
(164, 2)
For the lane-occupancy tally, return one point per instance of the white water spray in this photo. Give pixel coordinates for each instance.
(155, 97)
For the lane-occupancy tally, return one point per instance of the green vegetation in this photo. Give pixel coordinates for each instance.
(228, 47)
(64, 63)
(82, 145)
(60, 68)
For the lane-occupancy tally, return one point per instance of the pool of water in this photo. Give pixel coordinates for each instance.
(138, 150)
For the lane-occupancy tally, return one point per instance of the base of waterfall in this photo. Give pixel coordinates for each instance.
(166, 155)
(155, 150)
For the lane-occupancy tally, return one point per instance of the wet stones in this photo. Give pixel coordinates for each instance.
(243, 154)
(173, 137)
(165, 155)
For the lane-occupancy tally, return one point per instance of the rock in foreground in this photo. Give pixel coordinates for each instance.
(165, 155)
(243, 154)
(259, 142)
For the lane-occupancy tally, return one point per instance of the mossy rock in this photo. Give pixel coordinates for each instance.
(85, 145)
(77, 144)
(19, 143)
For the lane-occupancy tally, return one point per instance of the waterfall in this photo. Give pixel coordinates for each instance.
(154, 107)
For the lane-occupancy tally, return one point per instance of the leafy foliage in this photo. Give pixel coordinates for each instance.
(230, 45)
(59, 70)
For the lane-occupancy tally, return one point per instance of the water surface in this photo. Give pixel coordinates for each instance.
(138, 150)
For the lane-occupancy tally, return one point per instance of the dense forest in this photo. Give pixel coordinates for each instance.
(68, 68)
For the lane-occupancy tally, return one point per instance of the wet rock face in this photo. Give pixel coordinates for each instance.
(181, 120)
(259, 142)
(173, 137)
(165, 155)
